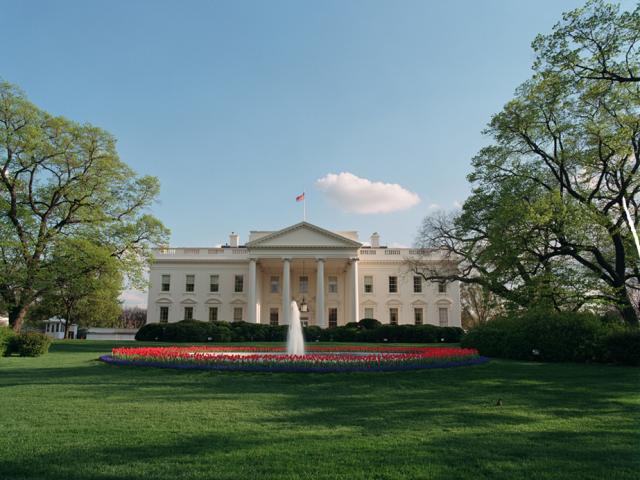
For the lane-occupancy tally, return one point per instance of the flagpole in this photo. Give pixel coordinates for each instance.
(304, 207)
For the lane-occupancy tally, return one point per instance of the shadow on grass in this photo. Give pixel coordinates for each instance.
(558, 454)
(554, 421)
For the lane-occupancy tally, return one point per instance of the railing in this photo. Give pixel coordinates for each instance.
(368, 251)
(201, 251)
(393, 251)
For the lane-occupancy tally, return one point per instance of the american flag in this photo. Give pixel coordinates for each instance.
(300, 198)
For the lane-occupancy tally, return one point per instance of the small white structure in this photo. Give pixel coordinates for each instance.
(99, 333)
(4, 321)
(54, 328)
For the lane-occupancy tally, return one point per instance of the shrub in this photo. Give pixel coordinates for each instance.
(312, 333)
(196, 331)
(151, 332)
(622, 347)
(6, 339)
(30, 344)
(187, 331)
(369, 323)
(541, 335)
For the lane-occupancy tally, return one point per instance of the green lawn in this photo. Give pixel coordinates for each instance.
(67, 416)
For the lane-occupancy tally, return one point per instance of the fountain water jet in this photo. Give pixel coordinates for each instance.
(295, 339)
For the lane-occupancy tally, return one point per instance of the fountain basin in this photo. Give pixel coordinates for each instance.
(318, 359)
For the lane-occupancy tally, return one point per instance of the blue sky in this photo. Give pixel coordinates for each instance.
(239, 106)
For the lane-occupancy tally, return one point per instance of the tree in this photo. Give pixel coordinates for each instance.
(547, 209)
(594, 42)
(61, 180)
(86, 282)
(479, 305)
(132, 317)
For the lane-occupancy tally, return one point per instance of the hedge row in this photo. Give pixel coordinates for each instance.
(555, 337)
(29, 344)
(363, 331)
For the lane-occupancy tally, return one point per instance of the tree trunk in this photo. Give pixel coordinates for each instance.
(17, 315)
(626, 309)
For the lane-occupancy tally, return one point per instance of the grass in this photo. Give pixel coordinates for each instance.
(66, 416)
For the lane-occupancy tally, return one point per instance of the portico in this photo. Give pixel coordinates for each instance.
(294, 264)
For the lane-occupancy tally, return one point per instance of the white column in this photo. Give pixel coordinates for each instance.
(320, 314)
(286, 290)
(252, 304)
(355, 298)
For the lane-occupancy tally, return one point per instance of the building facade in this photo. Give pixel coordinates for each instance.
(332, 276)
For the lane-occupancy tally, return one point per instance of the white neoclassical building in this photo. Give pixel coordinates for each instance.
(330, 274)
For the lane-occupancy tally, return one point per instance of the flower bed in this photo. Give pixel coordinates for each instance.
(317, 359)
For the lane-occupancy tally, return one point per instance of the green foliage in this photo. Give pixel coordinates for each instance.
(197, 331)
(29, 344)
(623, 347)
(369, 323)
(85, 283)
(543, 335)
(545, 224)
(6, 338)
(59, 181)
(312, 333)
(150, 332)
(393, 334)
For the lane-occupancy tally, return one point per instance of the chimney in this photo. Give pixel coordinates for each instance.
(375, 240)
(234, 240)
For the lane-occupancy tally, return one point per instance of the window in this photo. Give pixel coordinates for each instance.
(417, 284)
(237, 314)
(443, 316)
(304, 284)
(393, 316)
(275, 285)
(239, 284)
(273, 317)
(214, 283)
(393, 284)
(191, 281)
(368, 312)
(213, 314)
(164, 314)
(368, 284)
(166, 283)
(333, 284)
(442, 287)
(188, 313)
(418, 316)
(333, 317)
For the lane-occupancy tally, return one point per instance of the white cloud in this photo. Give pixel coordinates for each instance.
(360, 195)
(134, 298)
(457, 204)
(433, 206)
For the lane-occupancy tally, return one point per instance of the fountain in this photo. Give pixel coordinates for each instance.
(321, 358)
(295, 339)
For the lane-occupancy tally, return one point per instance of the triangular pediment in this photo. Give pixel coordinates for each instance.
(303, 235)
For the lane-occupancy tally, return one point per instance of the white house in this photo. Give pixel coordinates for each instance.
(332, 274)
